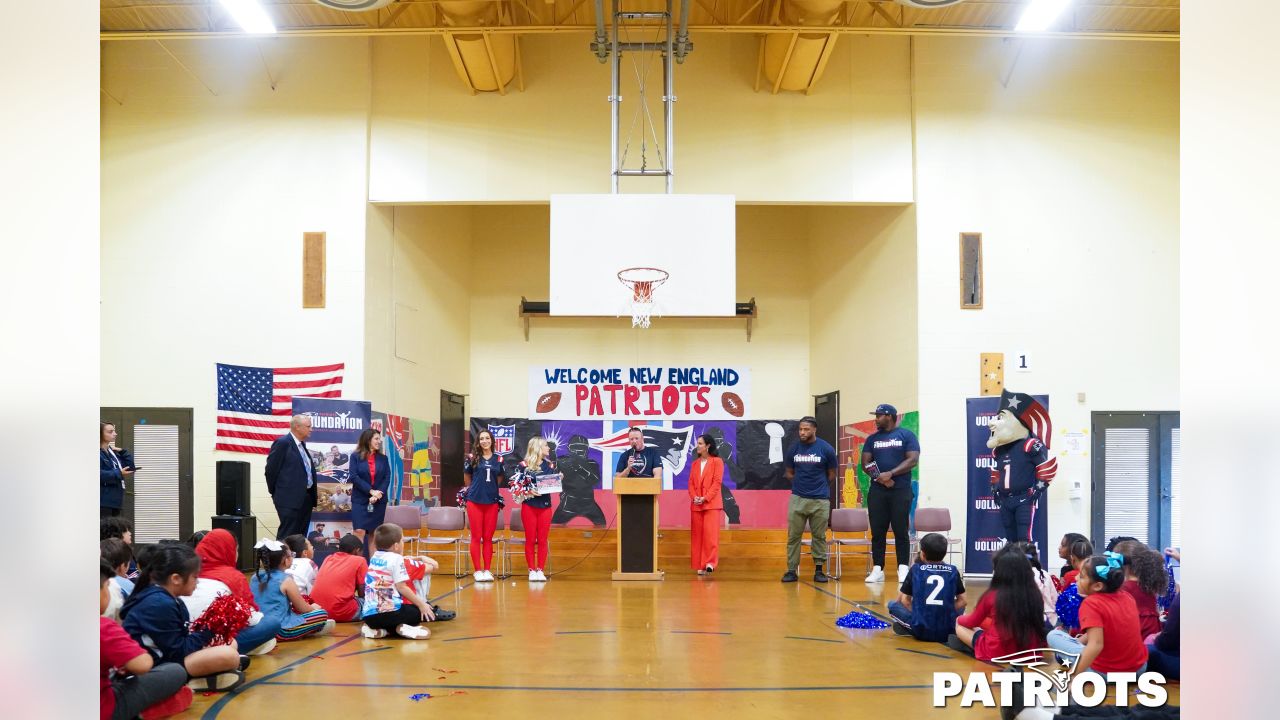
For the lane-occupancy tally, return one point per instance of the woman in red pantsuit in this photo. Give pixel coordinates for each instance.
(704, 491)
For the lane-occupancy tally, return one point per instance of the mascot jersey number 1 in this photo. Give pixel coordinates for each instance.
(1024, 468)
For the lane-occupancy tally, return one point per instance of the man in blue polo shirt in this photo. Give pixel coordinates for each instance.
(811, 467)
(639, 461)
(888, 456)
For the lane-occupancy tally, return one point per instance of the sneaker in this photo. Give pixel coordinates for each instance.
(245, 660)
(478, 575)
(264, 648)
(710, 569)
(488, 576)
(441, 614)
(876, 575)
(533, 576)
(372, 634)
(542, 576)
(702, 572)
(222, 682)
(900, 629)
(818, 575)
(902, 572)
(413, 632)
(790, 576)
(328, 627)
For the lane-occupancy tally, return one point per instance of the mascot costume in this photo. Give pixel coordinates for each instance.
(1024, 468)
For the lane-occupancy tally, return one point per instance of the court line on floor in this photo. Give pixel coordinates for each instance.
(841, 599)
(584, 632)
(212, 711)
(700, 632)
(922, 652)
(797, 637)
(361, 652)
(546, 688)
(470, 637)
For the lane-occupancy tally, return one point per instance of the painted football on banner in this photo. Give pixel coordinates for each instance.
(732, 404)
(548, 402)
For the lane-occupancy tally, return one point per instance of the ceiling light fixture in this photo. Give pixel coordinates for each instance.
(250, 16)
(1040, 14)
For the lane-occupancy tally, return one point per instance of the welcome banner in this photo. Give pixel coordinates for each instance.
(636, 393)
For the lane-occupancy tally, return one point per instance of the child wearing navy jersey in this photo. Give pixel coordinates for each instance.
(482, 474)
(932, 594)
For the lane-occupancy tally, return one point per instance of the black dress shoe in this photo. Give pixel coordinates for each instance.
(790, 576)
(819, 576)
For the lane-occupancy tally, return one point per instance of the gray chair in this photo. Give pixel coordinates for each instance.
(849, 520)
(410, 520)
(448, 519)
(937, 520)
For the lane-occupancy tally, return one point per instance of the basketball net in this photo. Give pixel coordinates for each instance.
(642, 281)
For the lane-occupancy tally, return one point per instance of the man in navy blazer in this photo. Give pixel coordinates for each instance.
(291, 478)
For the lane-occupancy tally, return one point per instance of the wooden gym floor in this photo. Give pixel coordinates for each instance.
(739, 643)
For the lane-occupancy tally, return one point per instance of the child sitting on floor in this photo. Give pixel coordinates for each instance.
(1109, 618)
(1145, 579)
(303, 569)
(117, 555)
(1044, 581)
(129, 681)
(932, 615)
(278, 597)
(1018, 609)
(156, 619)
(340, 582)
(390, 601)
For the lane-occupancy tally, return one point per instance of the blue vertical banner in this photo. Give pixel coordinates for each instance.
(984, 534)
(335, 429)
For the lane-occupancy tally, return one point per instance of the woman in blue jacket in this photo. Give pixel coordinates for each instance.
(113, 467)
(370, 482)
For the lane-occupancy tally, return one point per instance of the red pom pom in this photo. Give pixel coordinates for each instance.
(226, 616)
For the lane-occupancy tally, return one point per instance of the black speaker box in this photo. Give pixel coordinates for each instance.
(245, 530)
(233, 488)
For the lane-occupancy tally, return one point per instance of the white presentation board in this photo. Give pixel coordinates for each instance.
(692, 237)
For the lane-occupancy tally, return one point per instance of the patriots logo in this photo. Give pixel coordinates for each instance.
(1034, 660)
(504, 438)
(672, 444)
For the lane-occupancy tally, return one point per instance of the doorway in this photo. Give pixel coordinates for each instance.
(826, 410)
(1137, 478)
(453, 412)
(158, 498)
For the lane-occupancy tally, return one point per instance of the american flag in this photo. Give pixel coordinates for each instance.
(255, 404)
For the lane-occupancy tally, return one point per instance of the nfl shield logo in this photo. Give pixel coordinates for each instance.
(504, 438)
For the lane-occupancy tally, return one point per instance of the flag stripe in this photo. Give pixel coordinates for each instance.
(243, 390)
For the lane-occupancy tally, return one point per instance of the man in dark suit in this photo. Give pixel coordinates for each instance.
(291, 478)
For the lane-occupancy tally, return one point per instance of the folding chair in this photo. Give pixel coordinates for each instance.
(409, 519)
(448, 519)
(849, 520)
(934, 520)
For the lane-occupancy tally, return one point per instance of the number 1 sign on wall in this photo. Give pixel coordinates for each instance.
(1021, 362)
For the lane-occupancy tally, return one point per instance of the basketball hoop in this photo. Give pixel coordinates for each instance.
(642, 281)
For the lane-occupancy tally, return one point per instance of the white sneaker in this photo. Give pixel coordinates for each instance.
(533, 576)
(876, 575)
(542, 577)
(478, 575)
(328, 627)
(488, 576)
(902, 572)
(264, 648)
(413, 632)
(372, 634)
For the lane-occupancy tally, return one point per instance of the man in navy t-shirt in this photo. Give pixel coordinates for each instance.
(639, 461)
(888, 456)
(811, 467)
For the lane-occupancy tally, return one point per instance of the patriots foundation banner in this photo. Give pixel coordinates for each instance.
(984, 534)
(335, 429)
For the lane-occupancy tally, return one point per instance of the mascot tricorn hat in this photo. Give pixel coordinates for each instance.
(1033, 416)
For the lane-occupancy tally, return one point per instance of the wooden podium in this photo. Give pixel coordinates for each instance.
(637, 528)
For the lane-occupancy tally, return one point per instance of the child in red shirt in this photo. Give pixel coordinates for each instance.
(341, 580)
(1108, 619)
(1144, 579)
(127, 683)
(1079, 551)
(1015, 603)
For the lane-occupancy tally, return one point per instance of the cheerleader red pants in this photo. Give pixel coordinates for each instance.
(483, 520)
(537, 526)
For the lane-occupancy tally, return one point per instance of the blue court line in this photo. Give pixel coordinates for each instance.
(583, 632)
(545, 688)
(473, 637)
(212, 711)
(922, 652)
(700, 632)
(797, 637)
(361, 652)
(851, 602)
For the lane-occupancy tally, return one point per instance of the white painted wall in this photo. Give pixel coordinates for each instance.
(204, 202)
(1071, 174)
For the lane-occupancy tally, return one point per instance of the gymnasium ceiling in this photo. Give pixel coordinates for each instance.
(482, 36)
(122, 19)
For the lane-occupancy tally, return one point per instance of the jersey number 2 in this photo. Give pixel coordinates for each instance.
(937, 582)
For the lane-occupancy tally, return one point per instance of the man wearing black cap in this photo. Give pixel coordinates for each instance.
(811, 468)
(888, 456)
